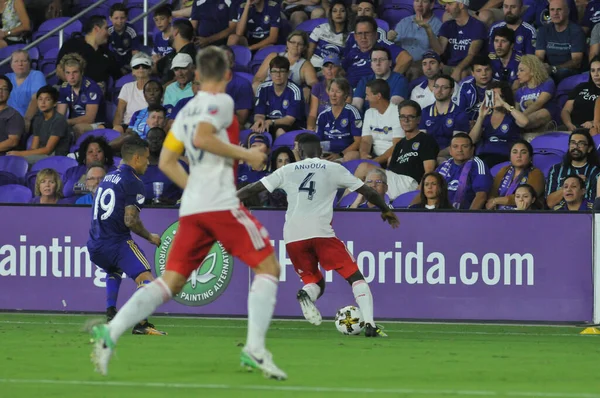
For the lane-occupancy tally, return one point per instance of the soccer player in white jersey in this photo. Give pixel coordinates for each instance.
(210, 211)
(311, 186)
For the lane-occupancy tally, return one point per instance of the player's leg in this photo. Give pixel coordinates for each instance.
(304, 259)
(113, 283)
(144, 326)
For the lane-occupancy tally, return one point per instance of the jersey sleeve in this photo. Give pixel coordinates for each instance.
(430, 149)
(361, 89)
(63, 93)
(345, 179)
(321, 121)
(357, 123)
(297, 109)
(316, 34)
(540, 43)
(462, 123)
(260, 106)
(445, 30)
(397, 131)
(219, 112)
(273, 180)
(482, 179)
(275, 14)
(135, 194)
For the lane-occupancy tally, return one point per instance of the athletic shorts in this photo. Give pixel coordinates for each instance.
(331, 253)
(125, 256)
(237, 230)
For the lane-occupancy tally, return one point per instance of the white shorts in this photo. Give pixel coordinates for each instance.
(399, 184)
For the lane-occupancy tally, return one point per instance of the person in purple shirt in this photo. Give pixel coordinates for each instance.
(256, 25)
(591, 16)
(534, 96)
(210, 20)
(574, 191)
(460, 38)
(279, 105)
(443, 119)
(538, 12)
(92, 151)
(498, 128)
(48, 188)
(340, 124)
(468, 178)
(365, 8)
(162, 20)
(524, 34)
(319, 99)
(505, 61)
(246, 174)
(81, 96)
(122, 39)
(240, 89)
(472, 90)
(171, 193)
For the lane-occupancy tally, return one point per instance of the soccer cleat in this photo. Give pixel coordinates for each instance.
(110, 313)
(374, 331)
(309, 309)
(103, 348)
(262, 362)
(147, 328)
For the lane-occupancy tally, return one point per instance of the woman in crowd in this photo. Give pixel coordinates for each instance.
(15, 22)
(319, 99)
(131, 96)
(580, 110)
(26, 82)
(526, 198)
(92, 149)
(521, 171)
(279, 158)
(536, 91)
(434, 193)
(329, 38)
(48, 188)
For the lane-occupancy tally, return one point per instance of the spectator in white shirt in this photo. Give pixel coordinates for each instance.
(422, 93)
(131, 96)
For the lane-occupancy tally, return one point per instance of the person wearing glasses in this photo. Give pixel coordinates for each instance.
(94, 176)
(505, 60)
(279, 105)
(377, 180)
(582, 108)
(131, 96)
(581, 159)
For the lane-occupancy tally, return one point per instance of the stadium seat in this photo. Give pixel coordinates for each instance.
(108, 134)
(52, 42)
(494, 170)
(351, 165)
(111, 109)
(243, 56)
(48, 64)
(382, 24)
(544, 160)
(261, 54)
(565, 86)
(15, 194)
(403, 201)
(439, 11)
(288, 138)
(309, 25)
(554, 140)
(394, 15)
(58, 163)
(15, 165)
(596, 139)
(29, 141)
(9, 179)
(247, 76)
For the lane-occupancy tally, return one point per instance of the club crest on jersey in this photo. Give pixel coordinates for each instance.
(221, 6)
(504, 128)
(519, 39)
(415, 146)
(83, 98)
(428, 123)
(449, 122)
(213, 109)
(126, 42)
(267, 19)
(344, 122)
(285, 104)
(140, 198)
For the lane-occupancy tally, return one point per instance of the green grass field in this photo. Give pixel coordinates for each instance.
(48, 356)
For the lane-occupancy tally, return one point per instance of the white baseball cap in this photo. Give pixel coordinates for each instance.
(465, 2)
(181, 60)
(141, 60)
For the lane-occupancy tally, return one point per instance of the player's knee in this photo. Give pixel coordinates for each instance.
(144, 278)
(355, 277)
(269, 266)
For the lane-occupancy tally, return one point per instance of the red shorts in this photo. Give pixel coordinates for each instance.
(331, 253)
(237, 230)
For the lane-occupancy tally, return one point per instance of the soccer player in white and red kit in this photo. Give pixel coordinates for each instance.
(208, 131)
(311, 185)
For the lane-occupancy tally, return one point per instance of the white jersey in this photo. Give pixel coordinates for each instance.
(311, 186)
(211, 184)
(383, 128)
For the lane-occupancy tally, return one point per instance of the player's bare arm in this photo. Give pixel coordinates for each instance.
(134, 223)
(373, 197)
(250, 190)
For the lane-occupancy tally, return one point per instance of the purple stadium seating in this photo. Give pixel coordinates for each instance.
(394, 15)
(52, 42)
(58, 163)
(48, 64)
(382, 24)
(9, 179)
(288, 138)
(497, 168)
(109, 134)
(596, 139)
(403, 201)
(261, 54)
(565, 87)
(245, 75)
(15, 194)
(544, 160)
(111, 109)
(309, 25)
(554, 140)
(15, 165)
(243, 56)
(351, 165)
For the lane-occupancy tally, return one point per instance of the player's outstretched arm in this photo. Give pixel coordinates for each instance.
(169, 164)
(373, 197)
(134, 223)
(250, 190)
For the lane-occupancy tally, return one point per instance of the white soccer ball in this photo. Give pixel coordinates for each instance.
(349, 320)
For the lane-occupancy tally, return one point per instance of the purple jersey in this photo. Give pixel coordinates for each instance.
(259, 24)
(478, 179)
(525, 96)
(212, 16)
(89, 94)
(381, 39)
(469, 97)
(357, 64)
(340, 131)
(525, 37)
(319, 90)
(509, 73)
(161, 45)
(460, 39)
(592, 14)
(443, 126)
(498, 140)
(240, 89)
(122, 44)
(289, 103)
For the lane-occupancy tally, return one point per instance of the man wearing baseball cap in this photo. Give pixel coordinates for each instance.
(183, 68)
(422, 91)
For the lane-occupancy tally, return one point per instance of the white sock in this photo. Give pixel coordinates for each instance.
(141, 305)
(364, 299)
(313, 290)
(261, 304)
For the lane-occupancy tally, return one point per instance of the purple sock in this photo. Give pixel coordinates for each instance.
(113, 282)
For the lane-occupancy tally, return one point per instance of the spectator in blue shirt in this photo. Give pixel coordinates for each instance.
(26, 82)
(472, 90)
(122, 39)
(93, 177)
(240, 89)
(257, 24)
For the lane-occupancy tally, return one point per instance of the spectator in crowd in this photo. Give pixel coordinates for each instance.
(247, 174)
(524, 35)
(240, 89)
(319, 99)
(356, 60)
(48, 188)
(92, 150)
(594, 47)
(211, 21)
(51, 134)
(163, 18)
(471, 92)
(180, 104)
(520, 171)
(182, 41)
(422, 93)
(12, 125)
(526, 198)
(14, 22)
(279, 105)
(561, 43)
(498, 128)
(505, 60)
(156, 116)
(256, 24)
(340, 124)
(591, 16)
(26, 83)
(468, 178)
(381, 64)
(579, 110)
(302, 73)
(122, 38)
(100, 63)
(81, 96)
(183, 68)
(381, 129)
(279, 158)
(93, 178)
(538, 13)
(171, 192)
(443, 119)
(328, 39)
(299, 11)
(412, 156)
(413, 32)
(574, 192)
(365, 8)
(459, 39)
(376, 179)
(536, 91)
(581, 159)
(131, 96)
(153, 93)
(433, 194)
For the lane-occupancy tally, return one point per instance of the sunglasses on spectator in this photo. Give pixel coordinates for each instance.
(141, 66)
